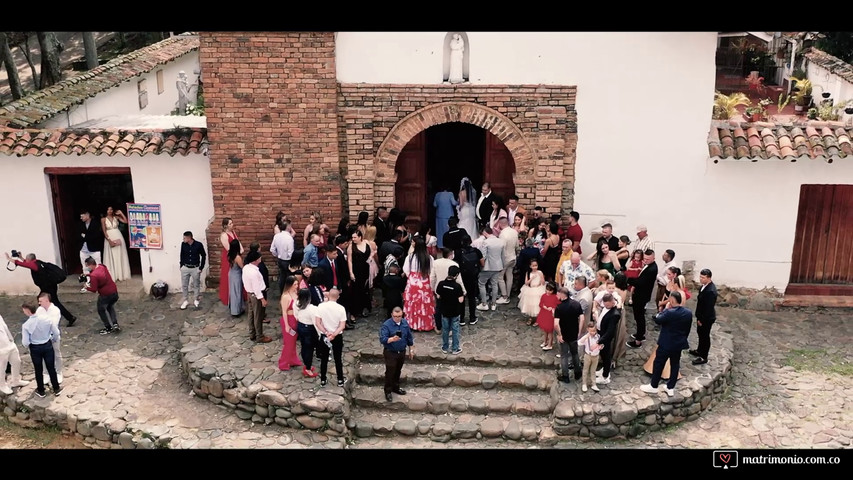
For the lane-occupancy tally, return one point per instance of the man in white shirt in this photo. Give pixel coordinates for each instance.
(36, 334)
(438, 272)
(47, 310)
(282, 247)
(509, 237)
(643, 241)
(9, 355)
(253, 282)
(662, 281)
(330, 329)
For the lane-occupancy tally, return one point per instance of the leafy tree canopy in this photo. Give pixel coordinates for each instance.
(839, 44)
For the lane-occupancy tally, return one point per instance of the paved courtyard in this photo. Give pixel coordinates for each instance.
(791, 379)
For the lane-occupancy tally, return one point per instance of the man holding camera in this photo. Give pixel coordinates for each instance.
(395, 335)
(101, 282)
(43, 281)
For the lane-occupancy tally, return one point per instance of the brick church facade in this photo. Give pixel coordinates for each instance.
(285, 134)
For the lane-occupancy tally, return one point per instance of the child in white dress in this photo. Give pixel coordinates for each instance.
(531, 292)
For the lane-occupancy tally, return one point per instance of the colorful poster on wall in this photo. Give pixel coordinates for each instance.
(146, 229)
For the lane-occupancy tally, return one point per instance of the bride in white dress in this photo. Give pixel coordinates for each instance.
(115, 249)
(467, 208)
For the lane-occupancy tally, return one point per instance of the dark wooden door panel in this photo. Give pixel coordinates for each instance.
(823, 246)
(499, 167)
(410, 188)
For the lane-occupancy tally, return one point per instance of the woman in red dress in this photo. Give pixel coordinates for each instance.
(547, 304)
(288, 322)
(225, 238)
(418, 298)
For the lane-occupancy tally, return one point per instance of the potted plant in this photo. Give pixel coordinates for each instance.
(757, 112)
(803, 95)
(812, 114)
(725, 106)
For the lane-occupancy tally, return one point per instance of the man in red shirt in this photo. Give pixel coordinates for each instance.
(574, 232)
(101, 282)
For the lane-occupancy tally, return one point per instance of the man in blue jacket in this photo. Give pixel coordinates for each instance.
(675, 322)
(395, 335)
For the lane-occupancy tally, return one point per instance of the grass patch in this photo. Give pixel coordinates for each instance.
(817, 360)
(37, 437)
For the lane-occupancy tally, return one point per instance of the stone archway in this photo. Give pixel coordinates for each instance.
(445, 112)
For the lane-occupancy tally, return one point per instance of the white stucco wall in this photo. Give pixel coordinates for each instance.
(28, 220)
(124, 99)
(825, 81)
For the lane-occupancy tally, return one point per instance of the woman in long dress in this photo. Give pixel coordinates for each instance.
(289, 324)
(467, 208)
(418, 298)
(358, 254)
(235, 279)
(228, 234)
(115, 248)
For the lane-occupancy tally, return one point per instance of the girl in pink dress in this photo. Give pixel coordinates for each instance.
(547, 304)
(288, 322)
(418, 298)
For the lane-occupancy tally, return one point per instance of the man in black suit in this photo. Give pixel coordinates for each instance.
(332, 275)
(484, 207)
(706, 315)
(610, 317)
(91, 238)
(383, 230)
(643, 286)
(675, 322)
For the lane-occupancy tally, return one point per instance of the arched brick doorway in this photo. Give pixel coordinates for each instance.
(439, 157)
(502, 129)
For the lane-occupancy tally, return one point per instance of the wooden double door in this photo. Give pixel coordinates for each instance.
(441, 156)
(822, 261)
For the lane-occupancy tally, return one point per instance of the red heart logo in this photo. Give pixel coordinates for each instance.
(725, 457)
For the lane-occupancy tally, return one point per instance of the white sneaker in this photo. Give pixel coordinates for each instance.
(583, 388)
(595, 388)
(83, 290)
(648, 388)
(20, 383)
(502, 301)
(482, 306)
(184, 305)
(602, 380)
(195, 304)
(6, 391)
(670, 392)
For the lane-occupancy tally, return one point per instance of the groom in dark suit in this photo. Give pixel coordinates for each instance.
(484, 207)
(706, 315)
(607, 332)
(675, 322)
(643, 286)
(91, 238)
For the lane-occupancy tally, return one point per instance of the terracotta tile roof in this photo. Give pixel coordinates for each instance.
(833, 64)
(732, 140)
(108, 142)
(44, 104)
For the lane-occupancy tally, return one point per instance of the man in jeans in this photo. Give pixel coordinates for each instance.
(282, 247)
(192, 263)
(569, 328)
(451, 297)
(253, 282)
(101, 282)
(493, 263)
(37, 333)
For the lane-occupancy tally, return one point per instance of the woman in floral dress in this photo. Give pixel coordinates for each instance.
(418, 298)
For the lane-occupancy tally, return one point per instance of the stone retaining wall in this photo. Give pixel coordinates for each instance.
(114, 434)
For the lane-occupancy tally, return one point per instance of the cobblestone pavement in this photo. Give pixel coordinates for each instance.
(792, 382)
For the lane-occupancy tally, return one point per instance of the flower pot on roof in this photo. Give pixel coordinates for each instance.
(848, 110)
(825, 94)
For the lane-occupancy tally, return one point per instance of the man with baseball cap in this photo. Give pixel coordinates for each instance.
(643, 241)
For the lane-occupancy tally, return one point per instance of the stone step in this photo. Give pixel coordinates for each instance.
(445, 375)
(539, 360)
(366, 423)
(69, 290)
(438, 400)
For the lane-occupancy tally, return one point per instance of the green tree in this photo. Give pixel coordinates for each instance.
(839, 44)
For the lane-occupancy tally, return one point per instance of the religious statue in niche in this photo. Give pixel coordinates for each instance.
(457, 55)
(187, 93)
